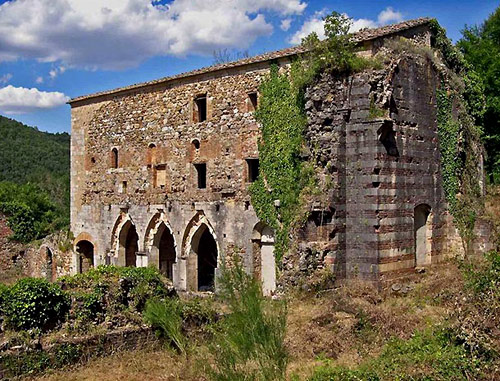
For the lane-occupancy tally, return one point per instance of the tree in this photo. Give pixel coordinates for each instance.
(481, 48)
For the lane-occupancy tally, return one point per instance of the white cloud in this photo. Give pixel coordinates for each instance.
(20, 100)
(389, 15)
(39, 80)
(5, 78)
(285, 24)
(118, 34)
(316, 24)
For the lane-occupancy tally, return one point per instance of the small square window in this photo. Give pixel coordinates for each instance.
(252, 102)
(252, 170)
(200, 109)
(201, 171)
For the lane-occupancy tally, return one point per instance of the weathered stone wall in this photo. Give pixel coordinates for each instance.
(371, 190)
(372, 138)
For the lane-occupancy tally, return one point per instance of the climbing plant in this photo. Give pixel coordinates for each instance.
(285, 178)
(275, 194)
(460, 107)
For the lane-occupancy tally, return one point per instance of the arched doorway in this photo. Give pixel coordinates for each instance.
(129, 244)
(264, 261)
(163, 251)
(49, 265)
(85, 251)
(422, 234)
(202, 260)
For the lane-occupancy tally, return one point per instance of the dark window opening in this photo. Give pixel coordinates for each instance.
(387, 137)
(253, 170)
(201, 170)
(114, 158)
(207, 262)
(124, 187)
(151, 157)
(321, 217)
(376, 171)
(252, 102)
(196, 144)
(376, 184)
(200, 104)
(92, 160)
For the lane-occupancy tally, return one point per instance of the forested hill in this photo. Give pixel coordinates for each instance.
(29, 155)
(43, 160)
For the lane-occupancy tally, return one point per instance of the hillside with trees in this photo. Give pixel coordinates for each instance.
(34, 179)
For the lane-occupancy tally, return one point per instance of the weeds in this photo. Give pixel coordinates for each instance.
(165, 316)
(250, 342)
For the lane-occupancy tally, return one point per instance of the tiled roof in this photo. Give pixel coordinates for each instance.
(362, 35)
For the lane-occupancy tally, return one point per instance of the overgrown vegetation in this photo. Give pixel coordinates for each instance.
(284, 177)
(480, 46)
(34, 180)
(31, 213)
(249, 344)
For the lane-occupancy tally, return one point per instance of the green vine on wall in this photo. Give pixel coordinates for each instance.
(460, 105)
(275, 194)
(285, 180)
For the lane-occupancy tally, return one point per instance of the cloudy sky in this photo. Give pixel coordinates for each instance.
(52, 50)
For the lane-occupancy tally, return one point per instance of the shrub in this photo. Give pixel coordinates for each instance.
(250, 342)
(165, 317)
(35, 303)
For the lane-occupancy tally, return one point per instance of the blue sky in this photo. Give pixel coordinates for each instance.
(51, 50)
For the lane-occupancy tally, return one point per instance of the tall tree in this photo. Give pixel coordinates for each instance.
(481, 48)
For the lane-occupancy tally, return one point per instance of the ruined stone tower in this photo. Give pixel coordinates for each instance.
(160, 171)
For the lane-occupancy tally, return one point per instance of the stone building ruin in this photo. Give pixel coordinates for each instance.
(160, 172)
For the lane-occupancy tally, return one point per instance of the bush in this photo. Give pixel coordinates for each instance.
(250, 342)
(35, 304)
(165, 316)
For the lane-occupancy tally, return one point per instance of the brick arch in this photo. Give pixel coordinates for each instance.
(194, 224)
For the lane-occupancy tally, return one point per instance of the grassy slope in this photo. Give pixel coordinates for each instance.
(347, 326)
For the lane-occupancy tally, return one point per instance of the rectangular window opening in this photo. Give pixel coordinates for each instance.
(252, 102)
(200, 105)
(201, 170)
(253, 170)
(123, 187)
(160, 176)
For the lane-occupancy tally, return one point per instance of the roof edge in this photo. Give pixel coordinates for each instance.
(366, 34)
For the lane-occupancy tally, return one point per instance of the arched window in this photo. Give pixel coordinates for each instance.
(114, 158)
(151, 157)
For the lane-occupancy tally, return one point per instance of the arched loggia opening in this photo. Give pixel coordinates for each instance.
(202, 262)
(264, 261)
(129, 244)
(163, 251)
(422, 233)
(85, 259)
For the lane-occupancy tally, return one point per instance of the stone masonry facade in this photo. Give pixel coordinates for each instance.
(160, 172)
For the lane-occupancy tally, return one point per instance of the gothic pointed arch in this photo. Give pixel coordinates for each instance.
(202, 253)
(125, 240)
(159, 242)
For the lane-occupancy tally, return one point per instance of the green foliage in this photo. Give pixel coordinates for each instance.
(276, 195)
(108, 290)
(486, 278)
(37, 361)
(31, 156)
(34, 304)
(250, 343)
(165, 316)
(30, 212)
(428, 355)
(279, 147)
(480, 46)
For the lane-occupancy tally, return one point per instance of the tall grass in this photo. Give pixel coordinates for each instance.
(250, 342)
(165, 316)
